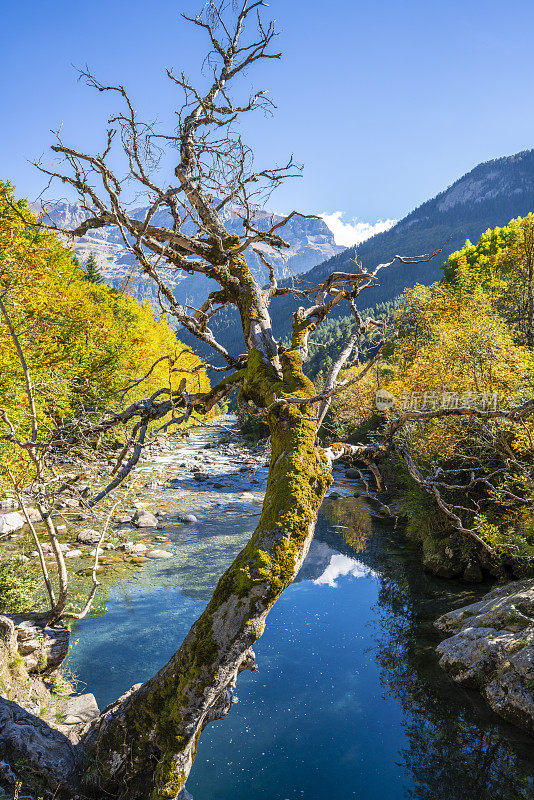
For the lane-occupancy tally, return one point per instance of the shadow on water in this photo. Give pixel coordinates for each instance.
(349, 701)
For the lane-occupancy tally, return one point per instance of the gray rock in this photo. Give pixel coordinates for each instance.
(144, 519)
(74, 554)
(88, 536)
(491, 648)
(33, 514)
(132, 547)
(43, 648)
(12, 521)
(159, 554)
(189, 519)
(352, 473)
(81, 709)
(9, 502)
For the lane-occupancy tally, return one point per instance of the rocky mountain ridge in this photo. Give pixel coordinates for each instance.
(311, 241)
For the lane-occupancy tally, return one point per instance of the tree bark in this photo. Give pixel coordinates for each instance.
(144, 745)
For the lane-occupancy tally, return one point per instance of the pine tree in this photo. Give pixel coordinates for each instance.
(92, 273)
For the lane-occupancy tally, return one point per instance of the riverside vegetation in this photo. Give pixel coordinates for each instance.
(471, 462)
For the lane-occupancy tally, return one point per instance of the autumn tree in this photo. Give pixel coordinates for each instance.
(143, 746)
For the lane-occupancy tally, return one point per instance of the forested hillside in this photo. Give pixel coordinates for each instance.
(490, 195)
(465, 342)
(84, 342)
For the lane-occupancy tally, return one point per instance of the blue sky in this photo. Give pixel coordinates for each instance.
(385, 103)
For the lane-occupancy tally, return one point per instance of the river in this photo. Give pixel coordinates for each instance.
(349, 702)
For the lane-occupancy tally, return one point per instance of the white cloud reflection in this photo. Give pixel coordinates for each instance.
(339, 567)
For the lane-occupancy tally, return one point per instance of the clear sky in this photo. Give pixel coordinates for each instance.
(385, 103)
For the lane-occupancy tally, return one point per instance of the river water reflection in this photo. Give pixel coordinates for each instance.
(349, 701)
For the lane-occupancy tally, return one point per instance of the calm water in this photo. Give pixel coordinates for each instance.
(349, 701)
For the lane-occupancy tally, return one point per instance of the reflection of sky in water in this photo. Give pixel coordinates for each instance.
(348, 701)
(341, 566)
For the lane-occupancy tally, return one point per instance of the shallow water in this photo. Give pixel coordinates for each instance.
(349, 701)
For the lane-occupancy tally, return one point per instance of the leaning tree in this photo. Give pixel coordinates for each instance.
(143, 746)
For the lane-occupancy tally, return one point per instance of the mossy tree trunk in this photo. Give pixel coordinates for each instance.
(145, 744)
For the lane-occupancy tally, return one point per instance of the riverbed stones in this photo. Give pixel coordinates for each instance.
(12, 521)
(88, 536)
(144, 519)
(133, 547)
(490, 647)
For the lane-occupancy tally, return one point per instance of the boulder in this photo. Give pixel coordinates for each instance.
(42, 648)
(9, 502)
(144, 519)
(33, 514)
(490, 647)
(73, 554)
(189, 519)
(88, 536)
(80, 709)
(12, 521)
(133, 547)
(353, 473)
(159, 554)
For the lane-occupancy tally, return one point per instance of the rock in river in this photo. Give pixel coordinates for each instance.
(11, 522)
(189, 519)
(144, 519)
(491, 648)
(88, 536)
(159, 554)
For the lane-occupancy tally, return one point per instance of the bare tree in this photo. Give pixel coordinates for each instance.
(144, 744)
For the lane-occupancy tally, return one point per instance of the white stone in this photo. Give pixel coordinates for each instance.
(12, 521)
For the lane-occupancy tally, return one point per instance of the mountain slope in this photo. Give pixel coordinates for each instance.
(491, 194)
(311, 241)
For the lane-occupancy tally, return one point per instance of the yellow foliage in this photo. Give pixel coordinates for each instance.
(84, 342)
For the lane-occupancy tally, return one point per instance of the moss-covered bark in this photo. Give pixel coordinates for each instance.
(144, 745)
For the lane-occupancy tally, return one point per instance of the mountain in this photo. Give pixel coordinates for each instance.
(311, 241)
(490, 195)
